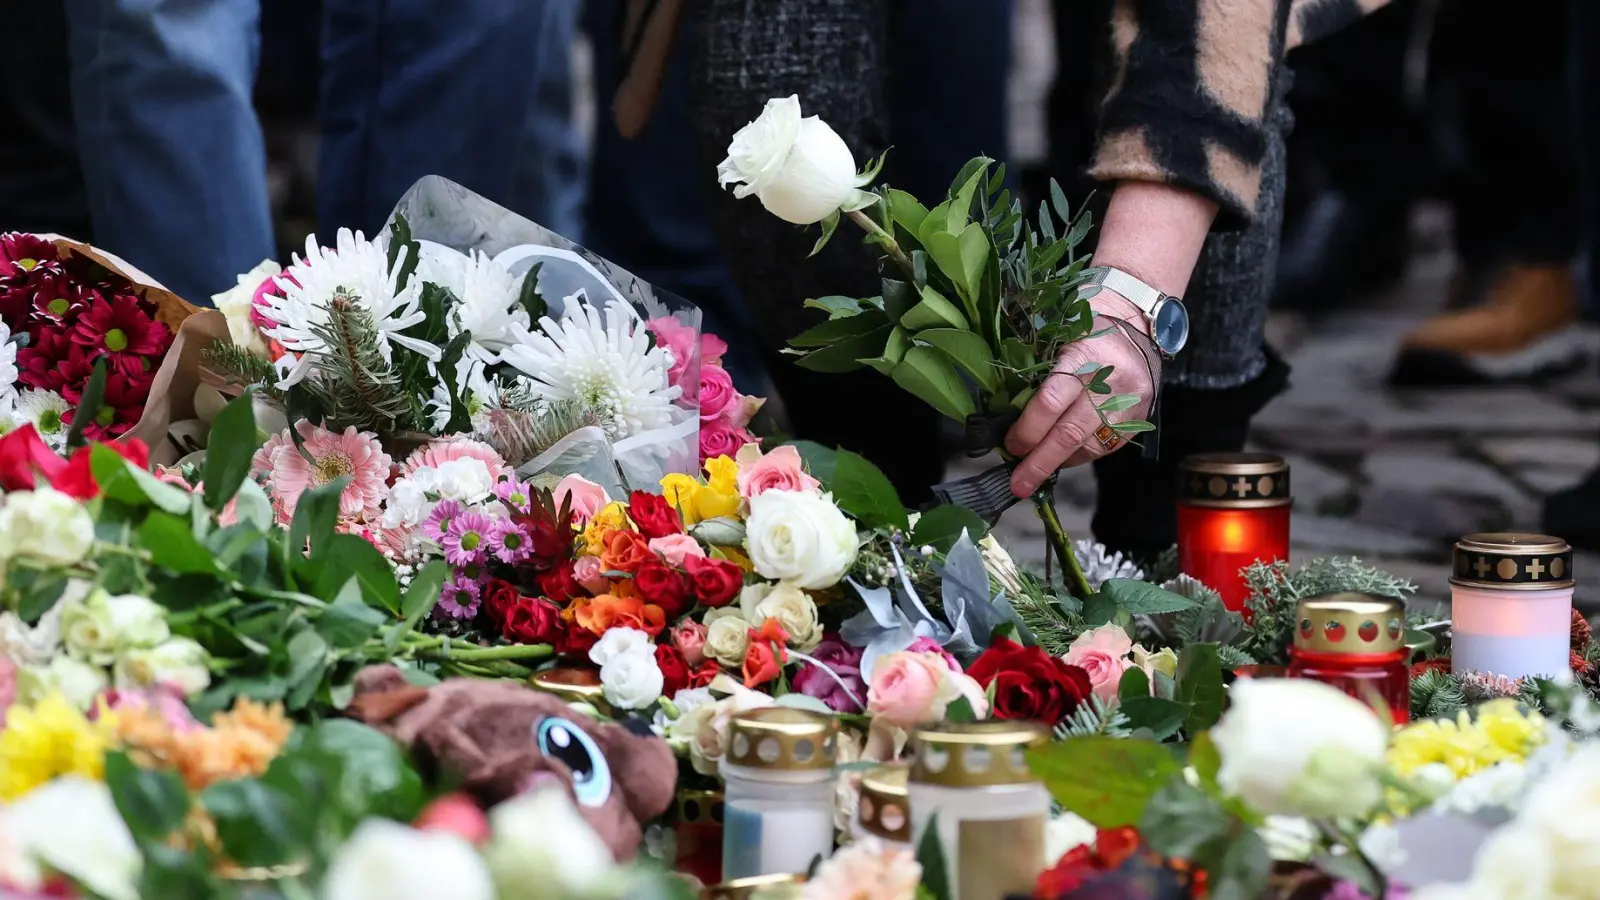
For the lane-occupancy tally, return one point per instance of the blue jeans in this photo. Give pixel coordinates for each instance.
(171, 150)
(479, 91)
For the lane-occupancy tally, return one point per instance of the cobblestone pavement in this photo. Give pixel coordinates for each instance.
(1395, 476)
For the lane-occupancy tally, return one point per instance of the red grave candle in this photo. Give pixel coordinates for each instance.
(697, 827)
(1356, 643)
(1233, 510)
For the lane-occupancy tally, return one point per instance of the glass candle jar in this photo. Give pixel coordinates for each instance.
(574, 685)
(697, 834)
(884, 808)
(971, 781)
(1511, 605)
(1356, 643)
(747, 888)
(1233, 509)
(778, 791)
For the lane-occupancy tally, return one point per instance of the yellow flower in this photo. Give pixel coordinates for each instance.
(1506, 727)
(714, 504)
(723, 475)
(610, 517)
(683, 494)
(50, 739)
(736, 557)
(1466, 746)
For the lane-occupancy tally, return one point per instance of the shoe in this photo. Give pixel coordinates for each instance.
(1524, 331)
(1574, 514)
(1334, 250)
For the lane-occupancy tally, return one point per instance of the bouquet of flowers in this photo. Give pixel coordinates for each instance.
(67, 311)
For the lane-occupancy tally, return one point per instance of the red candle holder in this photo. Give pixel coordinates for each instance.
(697, 829)
(1356, 643)
(1233, 510)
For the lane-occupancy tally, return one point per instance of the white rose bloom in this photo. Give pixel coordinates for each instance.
(37, 645)
(800, 537)
(1064, 832)
(179, 662)
(632, 680)
(17, 867)
(799, 168)
(1300, 748)
(102, 626)
(385, 860)
(71, 826)
(45, 524)
(1288, 838)
(542, 849)
(727, 636)
(619, 642)
(710, 740)
(77, 682)
(677, 728)
(794, 610)
(234, 304)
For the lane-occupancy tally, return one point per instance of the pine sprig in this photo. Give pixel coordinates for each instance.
(242, 367)
(353, 383)
(1436, 695)
(1094, 717)
(1274, 590)
(1053, 628)
(519, 435)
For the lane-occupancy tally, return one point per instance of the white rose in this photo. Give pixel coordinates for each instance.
(1561, 808)
(632, 680)
(77, 682)
(45, 524)
(800, 537)
(101, 626)
(234, 304)
(727, 636)
(620, 642)
(1288, 838)
(672, 719)
(39, 644)
(385, 860)
(179, 662)
(70, 825)
(1064, 832)
(799, 168)
(541, 849)
(710, 740)
(795, 611)
(1300, 748)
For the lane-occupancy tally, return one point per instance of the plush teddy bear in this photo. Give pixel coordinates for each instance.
(498, 738)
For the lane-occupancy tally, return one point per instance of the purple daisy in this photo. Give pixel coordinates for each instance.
(467, 540)
(516, 495)
(510, 542)
(437, 524)
(459, 599)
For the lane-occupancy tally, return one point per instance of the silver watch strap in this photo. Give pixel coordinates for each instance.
(1140, 294)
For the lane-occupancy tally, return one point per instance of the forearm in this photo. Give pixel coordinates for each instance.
(1154, 232)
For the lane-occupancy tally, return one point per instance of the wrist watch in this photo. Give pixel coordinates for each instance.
(1169, 321)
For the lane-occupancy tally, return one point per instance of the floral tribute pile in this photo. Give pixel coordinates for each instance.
(62, 315)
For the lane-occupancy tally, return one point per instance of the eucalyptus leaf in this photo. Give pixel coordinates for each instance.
(1118, 402)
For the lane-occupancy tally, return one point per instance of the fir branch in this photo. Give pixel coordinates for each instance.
(1094, 717)
(240, 366)
(1053, 628)
(352, 381)
(521, 434)
(1436, 695)
(1274, 590)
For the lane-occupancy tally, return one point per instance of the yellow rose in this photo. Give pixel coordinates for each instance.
(723, 475)
(713, 504)
(683, 494)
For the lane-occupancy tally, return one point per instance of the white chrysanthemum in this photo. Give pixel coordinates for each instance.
(356, 268)
(602, 361)
(487, 300)
(43, 409)
(8, 368)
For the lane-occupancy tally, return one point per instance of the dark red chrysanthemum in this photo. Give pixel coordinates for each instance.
(59, 300)
(123, 405)
(120, 330)
(23, 252)
(44, 362)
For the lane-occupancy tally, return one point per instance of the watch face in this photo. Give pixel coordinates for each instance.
(1169, 325)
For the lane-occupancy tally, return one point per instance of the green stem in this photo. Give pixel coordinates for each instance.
(1044, 503)
(886, 241)
(490, 654)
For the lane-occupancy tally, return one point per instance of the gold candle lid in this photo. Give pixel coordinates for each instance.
(885, 806)
(1510, 561)
(695, 807)
(1351, 624)
(573, 685)
(778, 737)
(975, 754)
(1233, 480)
(745, 888)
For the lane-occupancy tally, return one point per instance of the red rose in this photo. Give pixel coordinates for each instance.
(24, 457)
(575, 641)
(663, 585)
(532, 620)
(705, 673)
(560, 584)
(654, 516)
(77, 478)
(499, 597)
(674, 671)
(1030, 683)
(715, 581)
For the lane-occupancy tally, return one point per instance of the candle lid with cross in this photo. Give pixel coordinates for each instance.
(1510, 561)
(1234, 480)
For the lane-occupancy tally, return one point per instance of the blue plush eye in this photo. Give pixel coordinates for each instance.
(591, 776)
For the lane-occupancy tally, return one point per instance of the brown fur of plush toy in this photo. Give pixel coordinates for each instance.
(482, 735)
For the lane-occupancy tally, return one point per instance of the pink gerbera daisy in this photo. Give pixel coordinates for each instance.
(459, 599)
(438, 522)
(467, 541)
(509, 542)
(351, 454)
(437, 453)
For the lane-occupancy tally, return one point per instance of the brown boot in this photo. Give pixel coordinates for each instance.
(1521, 331)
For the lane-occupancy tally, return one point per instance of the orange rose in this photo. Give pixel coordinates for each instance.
(609, 611)
(574, 610)
(625, 551)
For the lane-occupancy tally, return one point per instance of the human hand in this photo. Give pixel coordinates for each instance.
(1060, 424)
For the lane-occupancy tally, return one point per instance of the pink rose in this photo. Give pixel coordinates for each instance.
(690, 639)
(909, 688)
(719, 438)
(457, 814)
(678, 339)
(1103, 653)
(743, 410)
(782, 469)
(929, 645)
(712, 349)
(587, 571)
(584, 496)
(717, 395)
(675, 548)
(8, 687)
